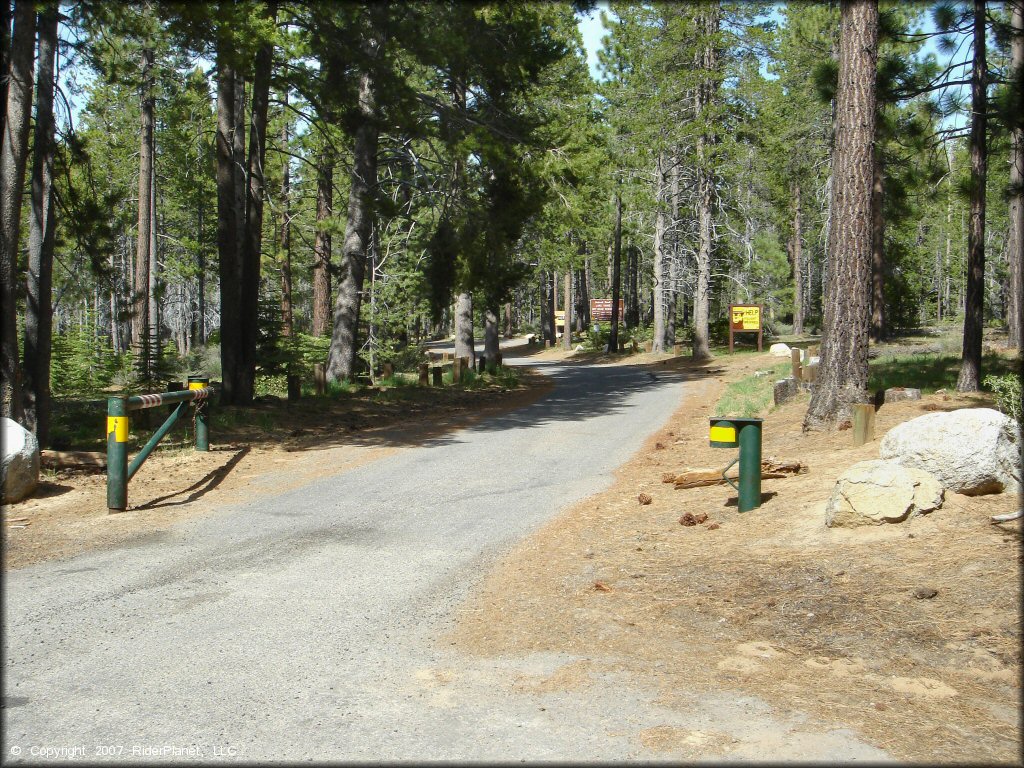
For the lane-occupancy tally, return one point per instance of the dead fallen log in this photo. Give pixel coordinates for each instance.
(771, 469)
(95, 460)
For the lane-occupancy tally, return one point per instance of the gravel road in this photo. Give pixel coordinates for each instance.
(304, 625)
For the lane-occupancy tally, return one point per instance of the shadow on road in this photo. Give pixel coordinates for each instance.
(201, 488)
(575, 391)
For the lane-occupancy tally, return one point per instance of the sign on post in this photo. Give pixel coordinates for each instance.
(601, 310)
(745, 318)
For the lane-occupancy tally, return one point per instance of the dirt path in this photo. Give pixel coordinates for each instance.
(812, 623)
(68, 514)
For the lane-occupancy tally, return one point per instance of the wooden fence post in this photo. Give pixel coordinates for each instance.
(863, 423)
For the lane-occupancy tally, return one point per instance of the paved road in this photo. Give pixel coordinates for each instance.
(304, 625)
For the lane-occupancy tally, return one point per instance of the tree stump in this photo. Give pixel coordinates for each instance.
(387, 371)
(424, 374)
(457, 370)
(438, 371)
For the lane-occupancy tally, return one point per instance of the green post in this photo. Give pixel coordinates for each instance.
(117, 454)
(202, 430)
(750, 465)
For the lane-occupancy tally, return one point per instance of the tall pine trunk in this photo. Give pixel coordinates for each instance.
(974, 319)
(1015, 239)
(674, 250)
(878, 329)
(284, 244)
(702, 291)
(38, 307)
(322, 244)
(661, 261)
(707, 94)
(567, 306)
(491, 343)
(5, 58)
(252, 245)
(13, 157)
(613, 336)
(843, 370)
(229, 233)
(796, 252)
(140, 293)
(341, 358)
(464, 327)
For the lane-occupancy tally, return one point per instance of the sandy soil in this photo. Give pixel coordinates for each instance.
(819, 622)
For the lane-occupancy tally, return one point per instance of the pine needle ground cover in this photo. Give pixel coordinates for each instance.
(818, 630)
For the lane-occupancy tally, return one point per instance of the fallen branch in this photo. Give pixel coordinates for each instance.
(1008, 516)
(73, 460)
(771, 469)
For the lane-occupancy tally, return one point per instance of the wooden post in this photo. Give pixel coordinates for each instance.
(863, 423)
(677, 349)
(457, 370)
(438, 371)
(387, 371)
(794, 355)
(424, 374)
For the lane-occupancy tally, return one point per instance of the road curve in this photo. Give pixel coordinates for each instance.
(304, 625)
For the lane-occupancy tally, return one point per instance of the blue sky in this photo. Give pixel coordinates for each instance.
(592, 31)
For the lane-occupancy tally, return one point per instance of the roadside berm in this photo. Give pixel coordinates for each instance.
(904, 633)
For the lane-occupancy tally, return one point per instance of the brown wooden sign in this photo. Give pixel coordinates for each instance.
(601, 310)
(745, 318)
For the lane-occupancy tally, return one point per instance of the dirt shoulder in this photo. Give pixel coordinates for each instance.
(263, 454)
(820, 623)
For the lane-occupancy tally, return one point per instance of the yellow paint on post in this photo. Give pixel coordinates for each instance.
(723, 434)
(119, 426)
(196, 385)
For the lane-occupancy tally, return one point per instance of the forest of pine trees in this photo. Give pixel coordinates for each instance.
(287, 194)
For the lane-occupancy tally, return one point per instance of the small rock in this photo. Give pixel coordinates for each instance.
(878, 491)
(643, 498)
(600, 586)
(687, 519)
(713, 526)
(700, 518)
(659, 446)
(898, 394)
(925, 593)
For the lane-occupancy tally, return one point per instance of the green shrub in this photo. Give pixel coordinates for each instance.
(1007, 390)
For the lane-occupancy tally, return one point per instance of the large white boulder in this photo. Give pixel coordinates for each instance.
(19, 468)
(877, 491)
(779, 350)
(971, 450)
